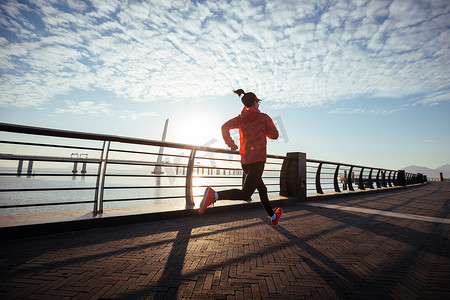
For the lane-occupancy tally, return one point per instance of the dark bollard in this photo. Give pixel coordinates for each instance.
(441, 176)
(420, 178)
(293, 176)
(401, 178)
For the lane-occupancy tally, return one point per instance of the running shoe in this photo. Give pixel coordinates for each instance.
(207, 201)
(278, 213)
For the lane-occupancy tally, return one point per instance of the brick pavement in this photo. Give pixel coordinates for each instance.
(315, 253)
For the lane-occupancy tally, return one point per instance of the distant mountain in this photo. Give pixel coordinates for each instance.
(431, 173)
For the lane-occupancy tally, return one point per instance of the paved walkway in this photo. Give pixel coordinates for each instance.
(347, 247)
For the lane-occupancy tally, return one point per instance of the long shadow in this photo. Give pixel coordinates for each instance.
(385, 278)
(178, 241)
(341, 279)
(401, 234)
(369, 198)
(173, 277)
(29, 248)
(404, 264)
(42, 245)
(343, 285)
(412, 199)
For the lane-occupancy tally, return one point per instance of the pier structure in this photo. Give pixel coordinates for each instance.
(84, 161)
(386, 235)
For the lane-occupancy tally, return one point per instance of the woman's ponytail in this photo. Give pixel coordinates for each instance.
(239, 92)
(248, 99)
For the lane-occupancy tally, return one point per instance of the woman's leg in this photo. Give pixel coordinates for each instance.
(264, 198)
(234, 194)
(252, 182)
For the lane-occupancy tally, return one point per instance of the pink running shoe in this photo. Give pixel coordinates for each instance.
(207, 201)
(278, 212)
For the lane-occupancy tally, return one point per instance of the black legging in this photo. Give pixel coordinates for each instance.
(252, 181)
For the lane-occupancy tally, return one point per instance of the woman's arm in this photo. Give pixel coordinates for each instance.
(226, 127)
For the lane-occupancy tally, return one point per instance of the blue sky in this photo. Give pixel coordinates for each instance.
(363, 82)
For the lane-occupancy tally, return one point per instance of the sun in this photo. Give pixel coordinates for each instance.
(198, 127)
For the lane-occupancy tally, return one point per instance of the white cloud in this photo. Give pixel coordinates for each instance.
(136, 115)
(88, 108)
(435, 98)
(288, 53)
(374, 111)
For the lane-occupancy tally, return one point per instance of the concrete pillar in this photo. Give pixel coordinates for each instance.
(293, 176)
(83, 170)
(75, 167)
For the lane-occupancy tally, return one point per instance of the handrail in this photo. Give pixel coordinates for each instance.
(363, 180)
(339, 163)
(327, 176)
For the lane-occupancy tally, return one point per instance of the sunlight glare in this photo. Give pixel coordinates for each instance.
(196, 127)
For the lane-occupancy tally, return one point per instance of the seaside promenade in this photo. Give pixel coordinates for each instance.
(389, 244)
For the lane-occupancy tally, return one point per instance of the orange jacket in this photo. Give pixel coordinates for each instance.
(254, 126)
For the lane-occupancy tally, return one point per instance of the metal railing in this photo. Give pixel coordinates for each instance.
(115, 169)
(329, 177)
(121, 171)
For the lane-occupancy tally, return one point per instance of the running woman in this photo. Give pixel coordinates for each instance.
(254, 127)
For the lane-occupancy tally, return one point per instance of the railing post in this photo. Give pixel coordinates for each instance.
(344, 184)
(103, 176)
(318, 185)
(190, 169)
(370, 180)
(349, 180)
(97, 184)
(361, 183)
(19, 168)
(391, 181)
(293, 175)
(335, 180)
(378, 179)
(30, 168)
